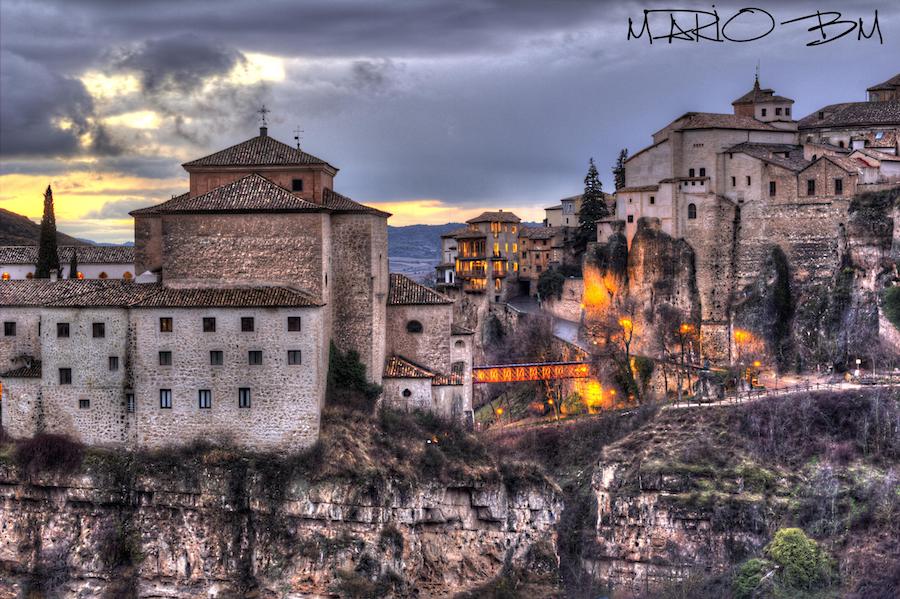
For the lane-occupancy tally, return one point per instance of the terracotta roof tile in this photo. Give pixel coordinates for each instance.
(494, 217)
(774, 154)
(261, 150)
(713, 120)
(892, 83)
(28, 371)
(404, 291)
(456, 376)
(87, 254)
(538, 232)
(455, 232)
(253, 193)
(850, 114)
(38, 292)
(397, 367)
(339, 203)
(760, 95)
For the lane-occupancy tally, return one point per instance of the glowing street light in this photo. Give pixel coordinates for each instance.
(626, 324)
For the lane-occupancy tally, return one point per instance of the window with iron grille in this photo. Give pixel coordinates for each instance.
(204, 399)
(293, 357)
(165, 358)
(247, 324)
(216, 357)
(244, 397)
(165, 399)
(129, 402)
(255, 358)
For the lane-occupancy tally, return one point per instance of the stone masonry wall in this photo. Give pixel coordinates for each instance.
(285, 399)
(20, 407)
(431, 347)
(148, 249)
(25, 341)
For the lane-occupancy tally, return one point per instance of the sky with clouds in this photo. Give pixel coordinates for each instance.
(434, 110)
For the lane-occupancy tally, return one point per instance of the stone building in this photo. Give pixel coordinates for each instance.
(487, 256)
(731, 185)
(446, 268)
(564, 214)
(889, 90)
(540, 249)
(247, 279)
(94, 261)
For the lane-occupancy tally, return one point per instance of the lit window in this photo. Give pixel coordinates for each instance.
(102, 275)
(127, 276)
(204, 399)
(6, 276)
(165, 399)
(255, 357)
(413, 326)
(293, 357)
(65, 376)
(80, 275)
(244, 397)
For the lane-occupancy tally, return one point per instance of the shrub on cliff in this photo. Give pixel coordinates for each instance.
(802, 563)
(550, 284)
(48, 452)
(347, 382)
(749, 576)
(892, 305)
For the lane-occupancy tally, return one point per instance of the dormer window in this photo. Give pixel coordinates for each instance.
(296, 184)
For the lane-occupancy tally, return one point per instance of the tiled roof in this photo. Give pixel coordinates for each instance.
(28, 371)
(830, 147)
(557, 207)
(713, 120)
(400, 368)
(774, 154)
(253, 193)
(892, 83)
(849, 114)
(538, 232)
(882, 156)
(458, 329)
(456, 376)
(339, 203)
(114, 293)
(887, 138)
(152, 209)
(494, 217)
(760, 95)
(638, 188)
(847, 164)
(261, 150)
(470, 234)
(87, 254)
(455, 232)
(404, 291)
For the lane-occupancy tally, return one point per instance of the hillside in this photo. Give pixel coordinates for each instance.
(16, 229)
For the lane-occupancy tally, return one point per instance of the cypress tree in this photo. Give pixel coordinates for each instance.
(593, 207)
(73, 264)
(619, 169)
(48, 258)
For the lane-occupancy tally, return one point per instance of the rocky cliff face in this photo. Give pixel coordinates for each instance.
(225, 530)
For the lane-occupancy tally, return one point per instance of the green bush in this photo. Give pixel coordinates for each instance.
(748, 577)
(892, 305)
(347, 382)
(550, 284)
(803, 564)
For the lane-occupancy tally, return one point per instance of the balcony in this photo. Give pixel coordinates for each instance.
(475, 273)
(475, 286)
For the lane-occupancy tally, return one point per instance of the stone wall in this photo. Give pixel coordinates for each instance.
(569, 307)
(431, 347)
(285, 399)
(263, 248)
(25, 342)
(360, 271)
(20, 406)
(315, 180)
(408, 394)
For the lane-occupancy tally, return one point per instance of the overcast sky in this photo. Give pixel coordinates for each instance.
(434, 110)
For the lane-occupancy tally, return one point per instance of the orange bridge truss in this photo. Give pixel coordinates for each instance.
(542, 371)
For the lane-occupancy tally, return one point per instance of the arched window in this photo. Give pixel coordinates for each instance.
(460, 343)
(127, 276)
(413, 326)
(103, 275)
(692, 211)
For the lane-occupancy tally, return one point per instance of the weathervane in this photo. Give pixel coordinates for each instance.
(298, 135)
(262, 115)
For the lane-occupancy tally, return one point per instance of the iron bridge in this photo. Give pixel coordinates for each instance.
(537, 371)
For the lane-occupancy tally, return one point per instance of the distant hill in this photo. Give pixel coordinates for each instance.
(16, 229)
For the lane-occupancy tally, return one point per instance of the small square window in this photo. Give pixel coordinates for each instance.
(84, 404)
(244, 397)
(114, 363)
(165, 399)
(165, 358)
(293, 357)
(247, 324)
(691, 172)
(255, 357)
(631, 218)
(62, 329)
(209, 324)
(702, 172)
(165, 325)
(65, 376)
(99, 329)
(9, 329)
(204, 399)
(296, 184)
(293, 323)
(216, 357)
(652, 199)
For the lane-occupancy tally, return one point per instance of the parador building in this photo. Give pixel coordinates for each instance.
(247, 279)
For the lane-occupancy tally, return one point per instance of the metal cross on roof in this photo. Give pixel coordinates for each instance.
(262, 115)
(298, 135)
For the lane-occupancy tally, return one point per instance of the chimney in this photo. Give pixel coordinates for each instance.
(54, 276)
(263, 131)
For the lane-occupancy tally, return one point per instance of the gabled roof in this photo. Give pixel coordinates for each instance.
(875, 154)
(87, 254)
(774, 154)
(892, 83)
(403, 291)
(854, 114)
(261, 150)
(397, 367)
(28, 371)
(252, 193)
(342, 204)
(538, 232)
(756, 95)
(495, 217)
(714, 120)
(848, 165)
(455, 232)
